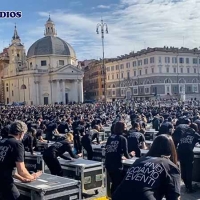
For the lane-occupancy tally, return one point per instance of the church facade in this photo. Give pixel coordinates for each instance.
(48, 74)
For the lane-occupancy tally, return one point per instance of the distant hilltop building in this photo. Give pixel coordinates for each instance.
(151, 73)
(46, 75)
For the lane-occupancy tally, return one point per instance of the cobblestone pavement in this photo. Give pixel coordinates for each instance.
(184, 196)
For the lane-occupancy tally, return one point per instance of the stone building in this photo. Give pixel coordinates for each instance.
(155, 72)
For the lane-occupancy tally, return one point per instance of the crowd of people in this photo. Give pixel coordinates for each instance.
(67, 129)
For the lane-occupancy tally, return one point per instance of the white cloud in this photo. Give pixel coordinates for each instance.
(103, 6)
(132, 24)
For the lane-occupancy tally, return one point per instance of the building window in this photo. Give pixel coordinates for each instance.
(6, 87)
(108, 69)
(108, 77)
(167, 69)
(113, 77)
(160, 60)
(152, 70)
(146, 71)
(117, 76)
(167, 89)
(194, 60)
(187, 61)
(146, 90)
(195, 70)
(31, 64)
(128, 74)
(174, 60)
(113, 92)
(181, 70)
(188, 70)
(12, 93)
(181, 60)
(43, 63)
(174, 69)
(134, 63)
(167, 59)
(134, 73)
(152, 60)
(122, 66)
(117, 67)
(122, 75)
(61, 62)
(167, 80)
(127, 65)
(112, 68)
(194, 88)
(139, 62)
(140, 72)
(145, 61)
(135, 91)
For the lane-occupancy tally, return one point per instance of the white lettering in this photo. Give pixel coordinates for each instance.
(147, 174)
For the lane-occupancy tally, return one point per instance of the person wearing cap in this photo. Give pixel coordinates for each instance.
(58, 149)
(11, 156)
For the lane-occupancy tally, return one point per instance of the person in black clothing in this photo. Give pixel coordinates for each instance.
(57, 150)
(116, 149)
(135, 138)
(154, 176)
(78, 133)
(186, 145)
(63, 127)
(87, 140)
(11, 156)
(30, 141)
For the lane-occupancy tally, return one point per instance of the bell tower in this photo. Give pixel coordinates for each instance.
(50, 28)
(17, 55)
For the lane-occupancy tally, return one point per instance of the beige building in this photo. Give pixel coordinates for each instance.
(155, 72)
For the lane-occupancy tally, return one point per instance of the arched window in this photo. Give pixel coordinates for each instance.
(182, 80)
(23, 87)
(195, 80)
(167, 80)
(113, 85)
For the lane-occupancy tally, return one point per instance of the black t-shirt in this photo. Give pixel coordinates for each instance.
(62, 127)
(11, 151)
(186, 144)
(134, 139)
(150, 178)
(116, 147)
(29, 142)
(58, 149)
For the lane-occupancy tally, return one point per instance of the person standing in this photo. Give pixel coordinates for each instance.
(154, 176)
(116, 150)
(11, 156)
(187, 142)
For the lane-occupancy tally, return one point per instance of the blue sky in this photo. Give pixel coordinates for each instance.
(133, 24)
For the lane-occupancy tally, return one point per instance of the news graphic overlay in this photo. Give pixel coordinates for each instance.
(10, 14)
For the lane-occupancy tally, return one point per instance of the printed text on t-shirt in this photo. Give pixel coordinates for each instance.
(148, 173)
(112, 147)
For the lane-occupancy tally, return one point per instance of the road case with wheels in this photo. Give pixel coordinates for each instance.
(34, 162)
(90, 173)
(48, 187)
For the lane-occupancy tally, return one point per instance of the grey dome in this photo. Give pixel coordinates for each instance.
(51, 45)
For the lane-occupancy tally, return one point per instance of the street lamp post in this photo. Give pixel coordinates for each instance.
(104, 29)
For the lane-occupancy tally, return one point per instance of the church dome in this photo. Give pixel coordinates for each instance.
(51, 45)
